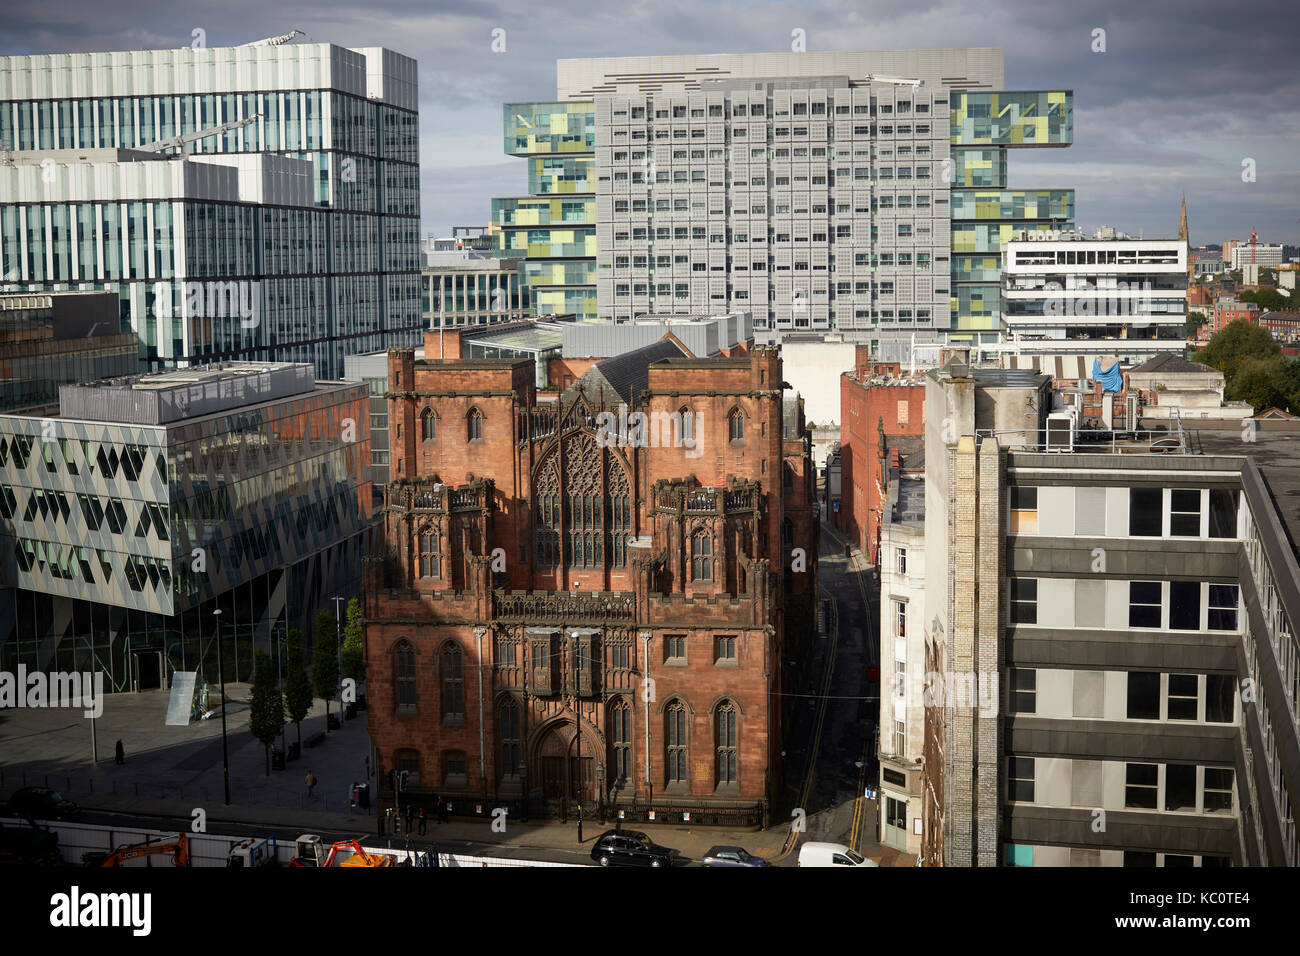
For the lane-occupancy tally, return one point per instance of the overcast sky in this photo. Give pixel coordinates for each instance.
(1182, 95)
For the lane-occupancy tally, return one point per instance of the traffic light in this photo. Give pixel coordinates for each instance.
(404, 775)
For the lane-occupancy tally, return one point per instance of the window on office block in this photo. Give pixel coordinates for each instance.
(1020, 778)
(1144, 604)
(1024, 601)
(1141, 783)
(1024, 511)
(1143, 695)
(1185, 605)
(1185, 512)
(1144, 512)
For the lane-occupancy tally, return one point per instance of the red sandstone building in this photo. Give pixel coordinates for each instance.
(546, 556)
(879, 411)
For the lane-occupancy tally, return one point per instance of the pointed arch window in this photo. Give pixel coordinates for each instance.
(474, 425)
(430, 554)
(453, 682)
(404, 676)
(428, 425)
(546, 500)
(686, 426)
(621, 735)
(736, 425)
(620, 514)
(701, 556)
(725, 743)
(675, 742)
(508, 724)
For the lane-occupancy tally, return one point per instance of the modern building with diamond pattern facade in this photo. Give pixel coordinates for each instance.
(139, 506)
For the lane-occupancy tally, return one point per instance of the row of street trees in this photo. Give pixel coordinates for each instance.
(276, 699)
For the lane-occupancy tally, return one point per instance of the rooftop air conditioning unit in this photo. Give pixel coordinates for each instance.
(1062, 431)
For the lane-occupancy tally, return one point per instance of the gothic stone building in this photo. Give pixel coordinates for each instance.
(552, 567)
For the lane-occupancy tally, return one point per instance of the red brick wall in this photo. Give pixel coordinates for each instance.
(862, 409)
(666, 600)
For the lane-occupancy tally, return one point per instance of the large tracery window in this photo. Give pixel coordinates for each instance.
(583, 505)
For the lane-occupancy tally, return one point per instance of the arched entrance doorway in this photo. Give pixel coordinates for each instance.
(557, 765)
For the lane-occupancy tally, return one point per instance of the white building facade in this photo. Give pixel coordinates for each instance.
(905, 685)
(1066, 296)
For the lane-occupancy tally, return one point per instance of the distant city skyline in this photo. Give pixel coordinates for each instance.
(1183, 95)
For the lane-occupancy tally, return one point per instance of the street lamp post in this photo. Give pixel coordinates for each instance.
(577, 723)
(338, 629)
(225, 749)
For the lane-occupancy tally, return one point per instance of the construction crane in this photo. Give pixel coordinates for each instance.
(180, 142)
(896, 80)
(178, 848)
(276, 41)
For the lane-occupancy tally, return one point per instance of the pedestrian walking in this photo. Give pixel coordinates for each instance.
(354, 794)
(311, 785)
(410, 815)
(424, 821)
(442, 811)
(119, 754)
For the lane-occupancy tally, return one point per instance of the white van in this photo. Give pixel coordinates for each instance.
(831, 854)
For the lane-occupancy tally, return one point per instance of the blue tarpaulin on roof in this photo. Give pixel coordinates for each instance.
(1111, 380)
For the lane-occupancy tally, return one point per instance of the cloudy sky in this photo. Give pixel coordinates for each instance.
(1183, 94)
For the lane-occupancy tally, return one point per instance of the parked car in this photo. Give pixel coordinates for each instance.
(831, 854)
(630, 848)
(731, 856)
(28, 846)
(39, 803)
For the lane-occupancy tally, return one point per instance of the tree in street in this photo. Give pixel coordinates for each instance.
(325, 660)
(265, 704)
(298, 692)
(354, 644)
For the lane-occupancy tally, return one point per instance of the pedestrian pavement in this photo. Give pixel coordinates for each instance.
(52, 747)
(171, 771)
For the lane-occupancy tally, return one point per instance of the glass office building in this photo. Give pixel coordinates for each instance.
(339, 243)
(53, 339)
(145, 504)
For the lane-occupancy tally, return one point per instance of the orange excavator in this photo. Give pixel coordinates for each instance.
(310, 851)
(178, 848)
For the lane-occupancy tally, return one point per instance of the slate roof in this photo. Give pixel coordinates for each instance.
(623, 377)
